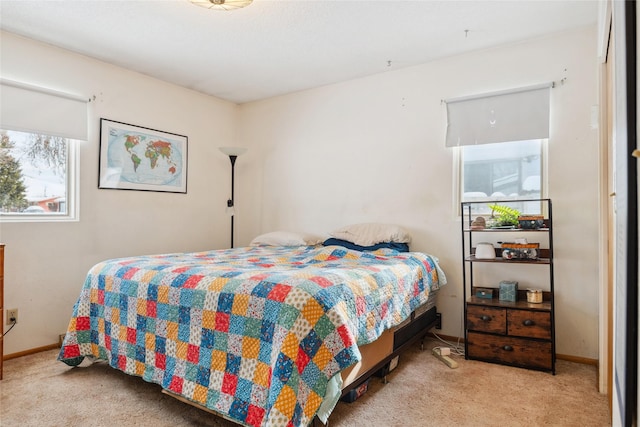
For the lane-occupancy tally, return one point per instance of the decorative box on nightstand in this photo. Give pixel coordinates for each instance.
(508, 291)
(486, 293)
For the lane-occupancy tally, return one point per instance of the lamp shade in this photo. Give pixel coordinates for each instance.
(233, 151)
(222, 4)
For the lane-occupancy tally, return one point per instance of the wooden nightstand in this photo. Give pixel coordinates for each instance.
(517, 334)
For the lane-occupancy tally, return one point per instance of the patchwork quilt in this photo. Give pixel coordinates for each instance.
(254, 333)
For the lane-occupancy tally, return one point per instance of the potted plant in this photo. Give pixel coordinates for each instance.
(504, 216)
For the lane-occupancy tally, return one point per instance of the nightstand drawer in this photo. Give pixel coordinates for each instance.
(487, 319)
(509, 350)
(534, 324)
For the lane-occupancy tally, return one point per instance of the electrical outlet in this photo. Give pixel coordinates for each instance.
(12, 316)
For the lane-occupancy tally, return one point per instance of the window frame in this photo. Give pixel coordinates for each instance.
(72, 184)
(458, 180)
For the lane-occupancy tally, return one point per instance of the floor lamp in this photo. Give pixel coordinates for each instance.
(233, 153)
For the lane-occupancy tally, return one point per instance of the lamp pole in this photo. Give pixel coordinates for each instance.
(230, 202)
(233, 153)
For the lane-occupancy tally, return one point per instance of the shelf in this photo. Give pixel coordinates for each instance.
(494, 302)
(539, 261)
(506, 230)
(518, 333)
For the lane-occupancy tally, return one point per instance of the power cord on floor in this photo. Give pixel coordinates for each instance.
(12, 325)
(457, 348)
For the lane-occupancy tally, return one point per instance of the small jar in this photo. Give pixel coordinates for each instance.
(534, 296)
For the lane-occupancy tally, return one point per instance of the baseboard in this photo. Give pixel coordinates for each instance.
(577, 359)
(30, 351)
(445, 337)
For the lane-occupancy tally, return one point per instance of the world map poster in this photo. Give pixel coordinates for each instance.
(138, 158)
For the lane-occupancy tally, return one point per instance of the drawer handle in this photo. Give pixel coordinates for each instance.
(485, 318)
(507, 348)
(528, 322)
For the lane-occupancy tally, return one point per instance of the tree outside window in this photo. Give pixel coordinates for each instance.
(33, 174)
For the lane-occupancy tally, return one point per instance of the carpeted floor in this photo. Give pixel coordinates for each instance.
(39, 391)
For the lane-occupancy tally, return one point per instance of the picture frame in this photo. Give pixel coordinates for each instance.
(140, 158)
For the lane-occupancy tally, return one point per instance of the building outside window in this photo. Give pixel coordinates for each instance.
(506, 170)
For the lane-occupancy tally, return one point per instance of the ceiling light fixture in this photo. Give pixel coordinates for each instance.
(222, 4)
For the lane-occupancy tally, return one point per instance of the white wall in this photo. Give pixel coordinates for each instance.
(372, 149)
(46, 263)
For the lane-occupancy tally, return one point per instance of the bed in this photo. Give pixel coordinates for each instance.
(260, 335)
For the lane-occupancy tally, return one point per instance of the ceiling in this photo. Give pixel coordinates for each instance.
(274, 47)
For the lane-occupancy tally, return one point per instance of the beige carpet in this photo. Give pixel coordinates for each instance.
(39, 391)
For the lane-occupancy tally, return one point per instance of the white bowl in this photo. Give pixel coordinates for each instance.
(485, 250)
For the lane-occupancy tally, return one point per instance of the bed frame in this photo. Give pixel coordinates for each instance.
(376, 357)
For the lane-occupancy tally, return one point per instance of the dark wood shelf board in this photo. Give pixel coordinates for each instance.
(506, 230)
(542, 261)
(522, 304)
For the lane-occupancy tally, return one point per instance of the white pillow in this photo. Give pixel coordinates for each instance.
(369, 234)
(286, 238)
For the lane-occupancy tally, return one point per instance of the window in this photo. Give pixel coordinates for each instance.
(506, 170)
(39, 130)
(500, 141)
(36, 176)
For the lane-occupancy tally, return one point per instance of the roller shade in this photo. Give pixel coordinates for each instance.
(32, 109)
(513, 115)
